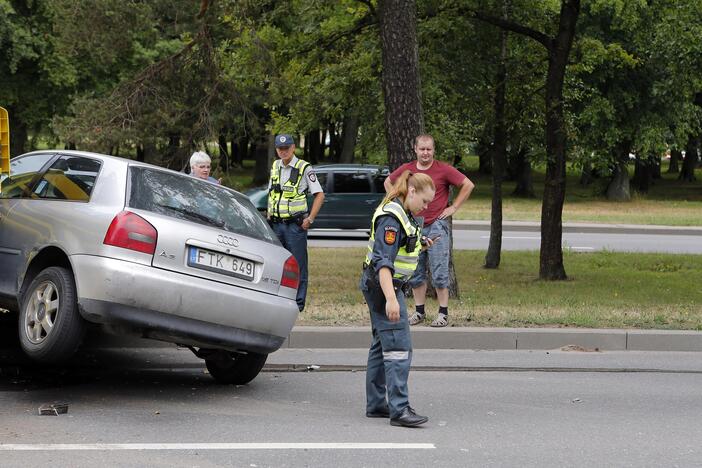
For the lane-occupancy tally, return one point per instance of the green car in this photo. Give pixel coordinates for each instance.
(351, 194)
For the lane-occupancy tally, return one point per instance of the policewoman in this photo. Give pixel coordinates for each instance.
(393, 250)
(291, 179)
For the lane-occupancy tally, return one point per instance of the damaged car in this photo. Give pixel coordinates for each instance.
(137, 249)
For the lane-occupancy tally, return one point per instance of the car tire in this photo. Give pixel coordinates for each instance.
(235, 368)
(50, 326)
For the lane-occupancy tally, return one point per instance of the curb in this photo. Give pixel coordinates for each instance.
(527, 226)
(472, 338)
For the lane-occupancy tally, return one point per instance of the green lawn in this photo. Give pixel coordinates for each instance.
(669, 201)
(604, 290)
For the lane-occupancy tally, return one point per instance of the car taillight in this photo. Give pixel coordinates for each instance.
(131, 231)
(291, 274)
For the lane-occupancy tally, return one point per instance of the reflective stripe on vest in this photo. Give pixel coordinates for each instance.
(289, 202)
(405, 262)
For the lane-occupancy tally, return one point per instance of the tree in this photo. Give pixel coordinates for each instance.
(404, 118)
(558, 49)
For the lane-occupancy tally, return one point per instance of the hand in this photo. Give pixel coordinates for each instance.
(392, 309)
(428, 241)
(448, 211)
(306, 223)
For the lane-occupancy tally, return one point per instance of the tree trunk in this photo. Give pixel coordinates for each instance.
(642, 175)
(618, 188)
(404, 118)
(334, 143)
(551, 253)
(223, 153)
(140, 153)
(687, 173)
(499, 157)
(263, 163)
(349, 137)
(18, 133)
(314, 151)
(484, 159)
(675, 158)
(523, 175)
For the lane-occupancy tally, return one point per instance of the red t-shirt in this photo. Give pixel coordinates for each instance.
(444, 176)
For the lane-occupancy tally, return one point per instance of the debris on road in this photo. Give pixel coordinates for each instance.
(53, 409)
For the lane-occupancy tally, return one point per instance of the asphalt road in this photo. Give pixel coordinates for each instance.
(530, 240)
(159, 409)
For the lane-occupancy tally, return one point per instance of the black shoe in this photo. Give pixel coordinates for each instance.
(380, 413)
(408, 418)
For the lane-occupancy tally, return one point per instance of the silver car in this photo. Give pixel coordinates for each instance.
(141, 250)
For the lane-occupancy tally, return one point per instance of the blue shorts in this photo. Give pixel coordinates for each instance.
(437, 256)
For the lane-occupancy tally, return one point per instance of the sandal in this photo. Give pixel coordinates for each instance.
(416, 318)
(440, 321)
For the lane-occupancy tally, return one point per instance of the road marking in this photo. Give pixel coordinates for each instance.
(513, 237)
(581, 248)
(219, 446)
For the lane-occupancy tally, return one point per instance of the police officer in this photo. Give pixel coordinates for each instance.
(288, 213)
(393, 250)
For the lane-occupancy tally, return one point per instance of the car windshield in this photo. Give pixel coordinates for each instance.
(196, 200)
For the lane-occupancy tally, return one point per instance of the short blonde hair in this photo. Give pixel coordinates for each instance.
(199, 157)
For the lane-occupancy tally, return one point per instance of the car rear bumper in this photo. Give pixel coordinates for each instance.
(179, 308)
(174, 329)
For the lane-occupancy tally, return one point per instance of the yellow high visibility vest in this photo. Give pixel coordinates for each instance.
(4, 142)
(285, 200)
(406, 260)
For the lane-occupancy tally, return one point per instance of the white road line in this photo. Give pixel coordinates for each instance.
(513, 237)
(581, 248)
(219, 446)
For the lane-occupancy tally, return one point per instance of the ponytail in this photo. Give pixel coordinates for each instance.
(419, 181)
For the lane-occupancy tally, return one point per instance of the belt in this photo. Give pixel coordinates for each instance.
(295, 220)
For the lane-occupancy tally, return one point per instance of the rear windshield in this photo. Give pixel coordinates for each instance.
(184, 197)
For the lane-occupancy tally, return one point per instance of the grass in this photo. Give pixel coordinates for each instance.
(669, 202)
(604, 290)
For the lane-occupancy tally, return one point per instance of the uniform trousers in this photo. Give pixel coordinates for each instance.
(294, 239)
(389, 356)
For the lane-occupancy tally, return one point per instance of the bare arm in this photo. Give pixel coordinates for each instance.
(392, 307)
(466, 188)
(387, 184)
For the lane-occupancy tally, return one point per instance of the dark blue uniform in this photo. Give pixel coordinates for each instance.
(390, 354)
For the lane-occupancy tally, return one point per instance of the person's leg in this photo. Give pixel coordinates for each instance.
(419, 289)
(376, 403)
(397, 358)
(296, 238)
(439, 254)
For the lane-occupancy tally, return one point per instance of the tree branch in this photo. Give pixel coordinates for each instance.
(507, 25)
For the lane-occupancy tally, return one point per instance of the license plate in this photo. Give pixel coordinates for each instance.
(221, 263)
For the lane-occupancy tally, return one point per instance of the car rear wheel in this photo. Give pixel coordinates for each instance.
(235, 368)
(50, 326)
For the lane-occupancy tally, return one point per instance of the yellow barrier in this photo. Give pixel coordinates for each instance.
(4, 142)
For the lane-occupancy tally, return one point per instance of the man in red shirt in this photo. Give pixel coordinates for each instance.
(436, 226)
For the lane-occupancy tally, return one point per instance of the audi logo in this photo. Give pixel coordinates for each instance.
(226, 240)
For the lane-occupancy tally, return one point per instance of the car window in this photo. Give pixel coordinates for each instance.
(356, 182)
(69, 178)
(378, 181)
(188, 198)
(23, 171)
(322, 178)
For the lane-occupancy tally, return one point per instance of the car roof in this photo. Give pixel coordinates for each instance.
(117, 159)
(350, 167)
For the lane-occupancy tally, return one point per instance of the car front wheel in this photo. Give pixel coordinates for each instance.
(235, 368)
(50, 326)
